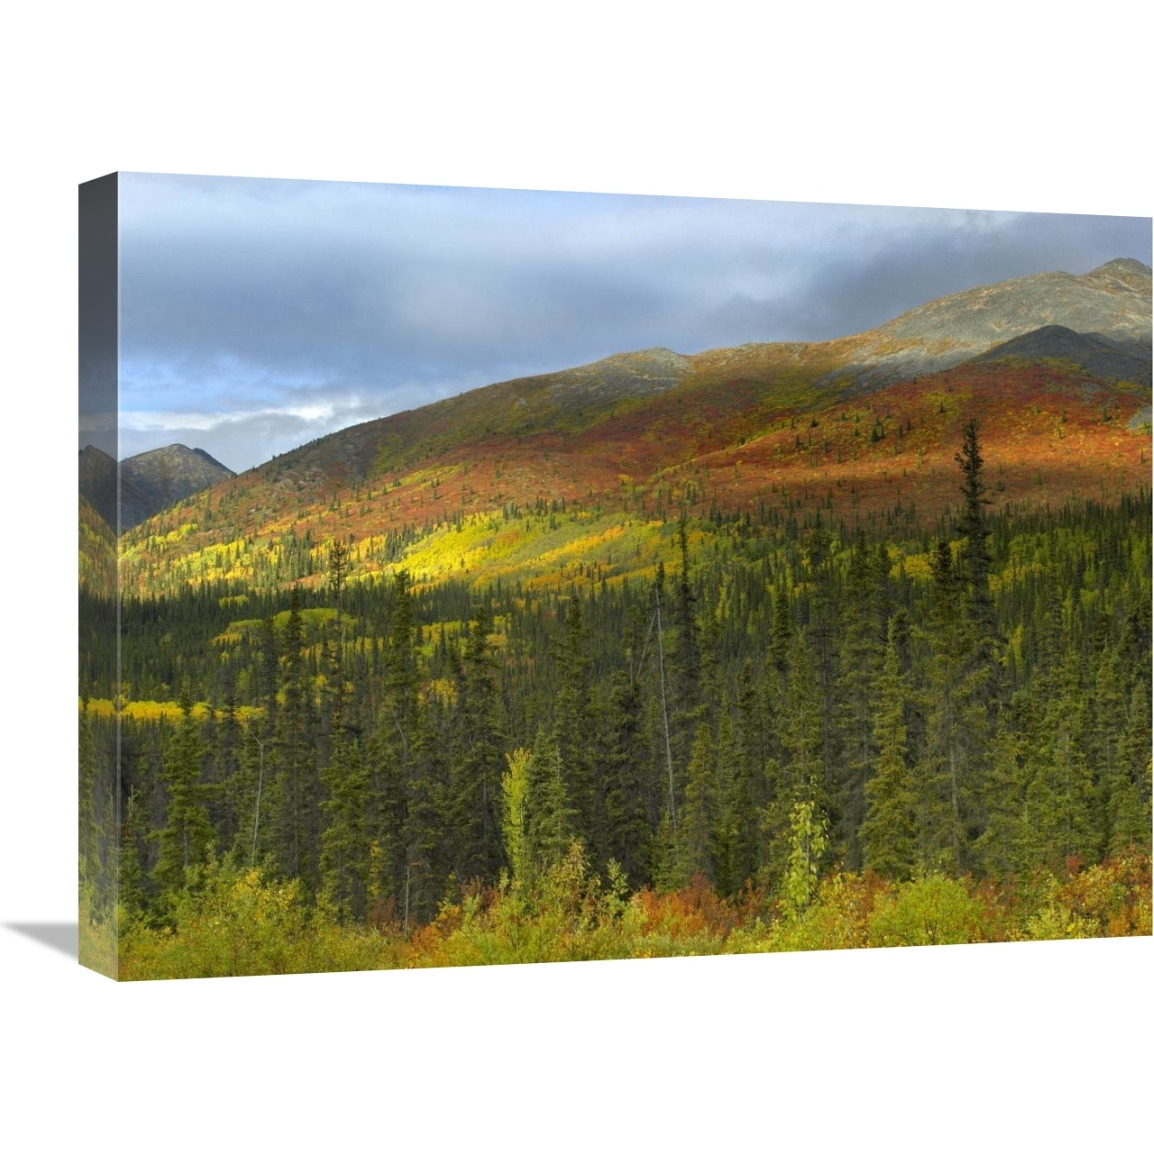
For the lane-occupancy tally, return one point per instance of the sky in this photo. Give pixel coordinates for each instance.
(256, 315)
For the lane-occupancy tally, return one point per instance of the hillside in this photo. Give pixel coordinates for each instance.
(806, 429)
(97, 552)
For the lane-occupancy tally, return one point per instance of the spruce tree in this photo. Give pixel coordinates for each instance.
(574, 729)
(427, 822)
(998, 846)
(622, 759)
(972, 527)
(186, 834)
(1108, 724)
(861, 656)
(744, 793)
(888, 835)
(1130, 808)
(133, 897)
(478, 758)
(696, 844)
(295, 802)
(390, 754)
(686, 704)
(345, 841)
(1059, 802)
(89, 858)
(951, 770)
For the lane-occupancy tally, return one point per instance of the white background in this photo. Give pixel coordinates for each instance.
(983, 105)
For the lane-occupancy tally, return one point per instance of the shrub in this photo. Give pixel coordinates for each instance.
(931, 910)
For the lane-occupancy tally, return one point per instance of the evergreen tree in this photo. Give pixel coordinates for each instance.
(269, 670)
(949, 780)
(402, 678)
(998, 846)
(686, 706)
(345, 842)
(186, 834)
(574, 727)
(861, 655)
(887, 833)
(696, 848)
(1060, 795)
(781, 636)
(87, 805)
(295, 812)
(976, 558)
(476, 771)
(1108, 724)
(387, 814)
(822, 647)
(390, 756)
(133, 898)
(1130, 809)
(224, 768)
(426, 817)
(622, 760)
(744, 790)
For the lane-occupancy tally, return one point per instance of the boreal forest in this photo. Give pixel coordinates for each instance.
(788, 737)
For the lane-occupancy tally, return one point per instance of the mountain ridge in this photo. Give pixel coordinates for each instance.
(1110, 299)
(149, 482)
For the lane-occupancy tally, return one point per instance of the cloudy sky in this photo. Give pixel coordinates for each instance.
(259, 314)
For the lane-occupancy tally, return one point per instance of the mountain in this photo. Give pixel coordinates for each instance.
(149, 482)
(1112, 301)
(98, 482)
(161, 477)
(1101, 358)
(855, 429)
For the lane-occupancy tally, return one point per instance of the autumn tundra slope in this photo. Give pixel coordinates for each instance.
(528, 477)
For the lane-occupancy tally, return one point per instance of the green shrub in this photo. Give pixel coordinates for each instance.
(929, 911)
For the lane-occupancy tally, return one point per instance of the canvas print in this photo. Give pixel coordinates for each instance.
(480, 576)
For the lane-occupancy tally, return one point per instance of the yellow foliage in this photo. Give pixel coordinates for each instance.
(162, 710)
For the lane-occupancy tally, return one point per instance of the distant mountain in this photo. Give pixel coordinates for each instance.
(1100, 357)
(1112, 301)
(161, 477)
(149, 482)
(98, 482)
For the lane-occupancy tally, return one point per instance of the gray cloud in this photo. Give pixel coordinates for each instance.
(271, 312)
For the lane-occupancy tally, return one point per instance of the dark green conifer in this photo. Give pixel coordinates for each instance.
(696, 843)
(185, 837)
(888, 835)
